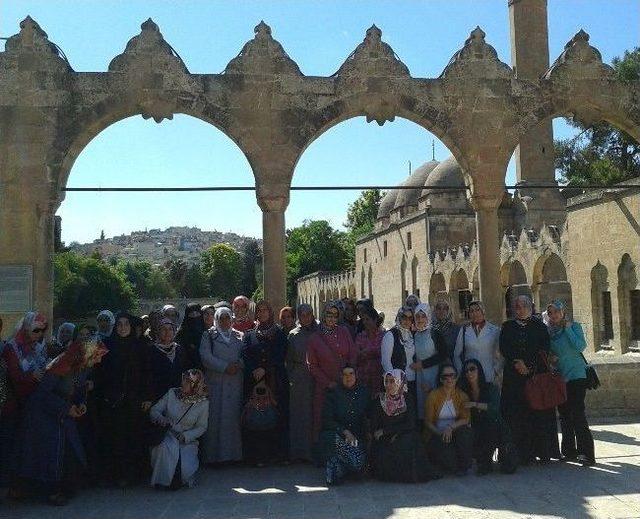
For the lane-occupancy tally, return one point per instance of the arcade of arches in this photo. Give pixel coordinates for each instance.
(481, 108)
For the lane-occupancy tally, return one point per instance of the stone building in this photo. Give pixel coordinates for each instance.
(482, 109)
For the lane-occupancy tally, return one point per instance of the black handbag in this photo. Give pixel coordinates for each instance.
(593, 381)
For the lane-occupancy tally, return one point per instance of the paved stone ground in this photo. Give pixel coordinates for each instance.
(611, 489)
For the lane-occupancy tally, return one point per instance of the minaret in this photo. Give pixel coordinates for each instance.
(535, 154)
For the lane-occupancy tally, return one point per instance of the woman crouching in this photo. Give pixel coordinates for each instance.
(185, 413)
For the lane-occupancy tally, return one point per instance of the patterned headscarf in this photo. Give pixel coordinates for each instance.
(64, 328)
(412, 300)
(31, 357)
(265, 330)
(555, 329)
(198, 391)
(442, 325)
(405, 334)
(525, 300)
(108, 314)
(79, 356)
(171, 309)
(328, 306)
(396, 404)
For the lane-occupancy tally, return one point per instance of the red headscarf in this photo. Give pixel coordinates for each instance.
(31, 321)
(78, 356)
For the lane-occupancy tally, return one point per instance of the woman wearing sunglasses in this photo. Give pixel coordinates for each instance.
(484, 405)
(450, 440)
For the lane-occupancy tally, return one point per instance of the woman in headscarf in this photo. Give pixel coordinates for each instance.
(446, 424)
(412, 301)
(189, 335)
(122, 395)
(479, 340)
(242, 320)
(56, 457)
(397, 452)
(208, 316)
(567, 344)
(443, 325)
(25, 357)
(105, 322)
(431, 351)
(167, 361)
(287, 319)
(525, 344)
(398, 348)
(221, 354)
(171, 312)
(486, 420)
(343, 440)
(368, 345)
(330, 349)
(265, 348)
(64, 336)
(151, 334)
(184, 410)
(300, 386)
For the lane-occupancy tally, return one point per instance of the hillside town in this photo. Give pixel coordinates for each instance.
(158, 246)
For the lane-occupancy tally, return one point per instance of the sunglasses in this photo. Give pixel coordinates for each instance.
(445, 376)
(406, 316)
(39, 330)
(470, 369)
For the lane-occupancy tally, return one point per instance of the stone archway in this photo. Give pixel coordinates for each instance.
(550, 282)
(478, 107)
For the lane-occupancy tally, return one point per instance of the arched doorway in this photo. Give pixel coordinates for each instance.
(550, 283)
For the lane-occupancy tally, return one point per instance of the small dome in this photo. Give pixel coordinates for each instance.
(408, 197)
(387, 203)
(447, 173)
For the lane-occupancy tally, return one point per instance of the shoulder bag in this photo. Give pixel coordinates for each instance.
(545, 391)
(593, 381)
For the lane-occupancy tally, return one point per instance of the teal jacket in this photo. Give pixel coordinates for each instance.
(568, 345)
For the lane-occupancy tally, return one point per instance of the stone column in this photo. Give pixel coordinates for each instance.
(273, 247)
(488, 244)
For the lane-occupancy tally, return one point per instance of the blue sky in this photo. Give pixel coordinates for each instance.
(318, 36)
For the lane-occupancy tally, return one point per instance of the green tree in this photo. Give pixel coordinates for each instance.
(251, 265)
(177, 270)
(362, 214)
(195, 282)
(601, 154)
(222, 267)
(84, 285)
(148, 281)
(314, 246)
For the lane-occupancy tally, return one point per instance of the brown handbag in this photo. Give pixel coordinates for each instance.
(545, 391)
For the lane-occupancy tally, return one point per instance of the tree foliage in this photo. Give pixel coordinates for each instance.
(601, 154)
(222, 268)
(314, 246)
(84, 285)
(362, 214)
(251, 266)
(147, 281)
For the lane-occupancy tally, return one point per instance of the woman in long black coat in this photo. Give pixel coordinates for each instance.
(524, 344)
(122, 397)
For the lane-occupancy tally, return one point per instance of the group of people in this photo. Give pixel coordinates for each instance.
(157, 396)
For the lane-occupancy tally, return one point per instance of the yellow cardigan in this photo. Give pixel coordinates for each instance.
(435, 401)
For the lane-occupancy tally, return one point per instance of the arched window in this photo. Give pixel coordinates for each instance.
(403, 281)
(628, 305)
(601, 308)
(415, 289)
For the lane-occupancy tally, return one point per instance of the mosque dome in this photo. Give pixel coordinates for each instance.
(409, 197)
(447, 173)
(387, 203)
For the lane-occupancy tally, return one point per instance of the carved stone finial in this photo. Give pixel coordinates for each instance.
(262, 55)
(580, 59)
(476, 59)
(33, 40)
(373, 58)
(146, 49)
(262, 30)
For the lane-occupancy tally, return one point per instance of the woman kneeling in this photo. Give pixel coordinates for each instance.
(343, 427)
(397, 442)
(185, 413)
(447, 424)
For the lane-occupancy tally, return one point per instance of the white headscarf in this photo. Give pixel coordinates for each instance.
(64, 327)
(225, 335)
(167, 308)
(426, 310)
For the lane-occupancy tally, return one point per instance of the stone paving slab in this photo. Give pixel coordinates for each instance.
(560, 490)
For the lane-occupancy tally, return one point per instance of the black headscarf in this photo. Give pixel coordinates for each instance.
(190, 333)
